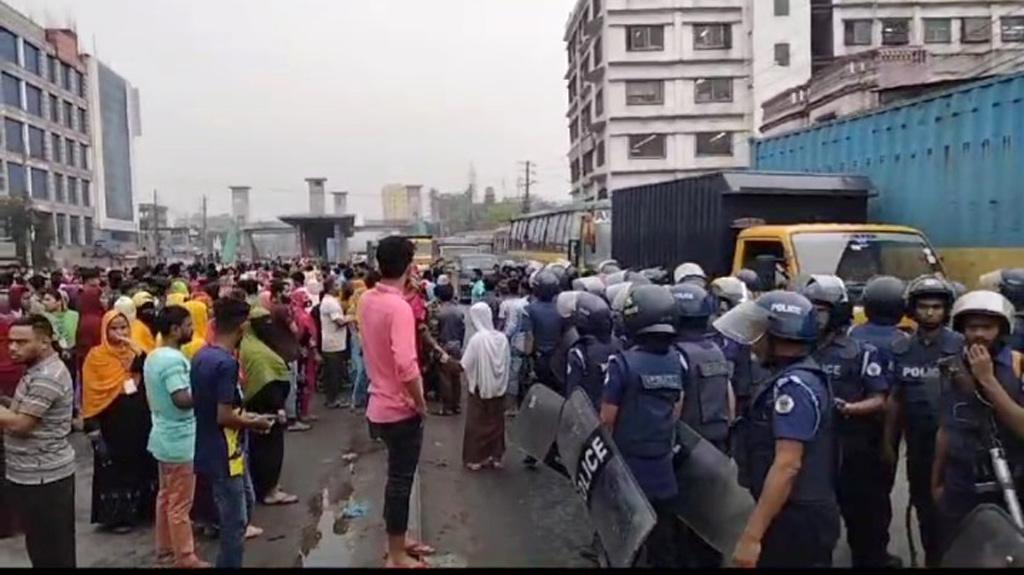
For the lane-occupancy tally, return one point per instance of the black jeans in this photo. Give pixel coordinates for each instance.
(266, 451)
(47, 515)
(403, 439)
(801, 535)
(335, 374)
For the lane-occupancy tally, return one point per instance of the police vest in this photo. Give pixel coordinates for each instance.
(916, 371)
(883, 339)
(846, 361)
(742, 369)
(645, 426)
(969, 429)
(706, 391)
(594, 355)
(816, 480)
(1016, 339)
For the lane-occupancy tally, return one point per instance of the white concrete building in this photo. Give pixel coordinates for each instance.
(662, 89)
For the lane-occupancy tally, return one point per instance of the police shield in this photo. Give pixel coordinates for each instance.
(745, 323)
(987, 537)
(536, 426)
(618, 509)
(711, 500)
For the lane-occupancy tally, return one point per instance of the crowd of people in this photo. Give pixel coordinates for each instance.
(186, 380)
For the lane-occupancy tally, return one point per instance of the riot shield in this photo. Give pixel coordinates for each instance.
(535, 427)
(618, 509)
(987, 537)
(711, 500)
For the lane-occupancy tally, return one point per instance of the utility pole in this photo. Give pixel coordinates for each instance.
(202, 236)
(526, 181)
(156, 229)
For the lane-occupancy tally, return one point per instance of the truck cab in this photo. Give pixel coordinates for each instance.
(781, 254)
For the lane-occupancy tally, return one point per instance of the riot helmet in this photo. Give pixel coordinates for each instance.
(565, 303)
(637, 278)
(829, 291)
(617, 295)
(615, 277)
(883, 300)
(791, 316)
(730, 292)
(987, 303)
(690, 272)
(590, 284)
(592, 316)
(649, 309)
(928, 287)
(693, 301)
(1011, 285)
(545, 285)
(608, 267)
(749, 279)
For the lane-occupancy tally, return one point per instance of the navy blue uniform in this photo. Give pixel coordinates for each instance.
(588, 366)
(856, 372)
(1016, 338)
(646, 384)
(795, 404)
(917, 388)
(543, 321)
(967, 424)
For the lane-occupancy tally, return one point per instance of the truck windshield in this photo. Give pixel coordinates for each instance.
(857, 257)
(480, 262)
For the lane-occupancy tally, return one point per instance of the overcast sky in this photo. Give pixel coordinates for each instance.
(362, 92)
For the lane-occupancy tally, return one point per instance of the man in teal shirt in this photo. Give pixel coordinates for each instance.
(172, 439)
(479, 290)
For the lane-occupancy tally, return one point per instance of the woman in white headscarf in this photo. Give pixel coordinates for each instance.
(486, 361)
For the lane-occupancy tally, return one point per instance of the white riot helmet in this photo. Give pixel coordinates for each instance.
(730, 290)
(608, 267)
(687, 271)
(983, 302)
(566, 303)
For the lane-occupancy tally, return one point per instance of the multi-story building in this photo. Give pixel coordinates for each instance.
(115, 118)
(46, 150)
(868, 54)
(661, 89)
(402, 203)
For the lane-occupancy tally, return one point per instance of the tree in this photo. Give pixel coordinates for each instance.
(24, 222)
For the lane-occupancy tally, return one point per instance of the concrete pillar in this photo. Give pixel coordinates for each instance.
(240, 204)
(340, 203)
(316, 195)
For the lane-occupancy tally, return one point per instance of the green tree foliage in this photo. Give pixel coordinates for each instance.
(23, 221)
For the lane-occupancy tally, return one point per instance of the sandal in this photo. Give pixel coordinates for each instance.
(474, 466)
(417, 565)
(419, 549)
(280, 498)
(252, 532)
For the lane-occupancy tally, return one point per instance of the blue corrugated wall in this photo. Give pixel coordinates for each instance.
(951, 164)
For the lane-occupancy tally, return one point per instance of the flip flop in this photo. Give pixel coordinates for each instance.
(281, 498)
(252, 532)
(417, 565)
(419, 549)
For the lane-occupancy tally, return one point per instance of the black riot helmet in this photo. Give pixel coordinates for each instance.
(749, 277)
(830, 291)
(929, 286)
(693, 301)
(649, 309)
(546, 285)
(1011, 285)
(592, 316)
(791, 316)
(883, 300)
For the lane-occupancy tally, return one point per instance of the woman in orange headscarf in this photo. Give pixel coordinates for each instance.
(117, 421)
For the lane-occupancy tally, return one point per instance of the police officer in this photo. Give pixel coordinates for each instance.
(914, 400)
(983, 408)
(565, 303)
(588, 356)
(1011, 285)
(860, 387)
(617, 297)
(884, 307)
(708, 401)
(731, 292)
(640, 406)
(690, 272)
(787, 434)
(543, 326)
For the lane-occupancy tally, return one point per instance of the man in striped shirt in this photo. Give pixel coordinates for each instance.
(40, 462)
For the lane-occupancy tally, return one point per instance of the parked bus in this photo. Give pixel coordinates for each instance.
(580, 234)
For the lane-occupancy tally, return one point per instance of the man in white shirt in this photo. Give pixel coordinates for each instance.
(334, 342)
(510, 316)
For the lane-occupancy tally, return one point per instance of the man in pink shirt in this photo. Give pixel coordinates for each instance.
(397, 405)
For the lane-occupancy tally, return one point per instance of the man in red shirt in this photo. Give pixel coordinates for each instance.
(397, 405)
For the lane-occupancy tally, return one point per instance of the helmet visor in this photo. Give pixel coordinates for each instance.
(745, 323)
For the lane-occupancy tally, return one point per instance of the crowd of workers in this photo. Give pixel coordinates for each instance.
(186, 378)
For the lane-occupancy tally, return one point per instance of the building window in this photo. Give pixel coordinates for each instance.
(65, 72)
(83, 157)
(33, 100)
(712, 36)
(588, 163)
(938, 31)
(36, 143)
(8, 46)
(976, 30)
(83, 121)
(574, 130)
(574, 170)
(58, 188)
(598, 52)
(645, 93)
(62, 230)
(647, 146)
(80, 83)
(595, 8)
(87, 224)
(32, 59)
(54, 109)
(599, 104)
(69, 146)
(1011, 28)
(15, 136)
(857, 32)
(17, 181)
(645, 38)
(895, 31)
(713, 90)
(72, 190)
(782, 54)
(600, 153)
(86, 193)
(76, 231)
(782, 7)
(714, 144)
(69, 115)
(12, 91)
(40, 189)
(56, 144)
